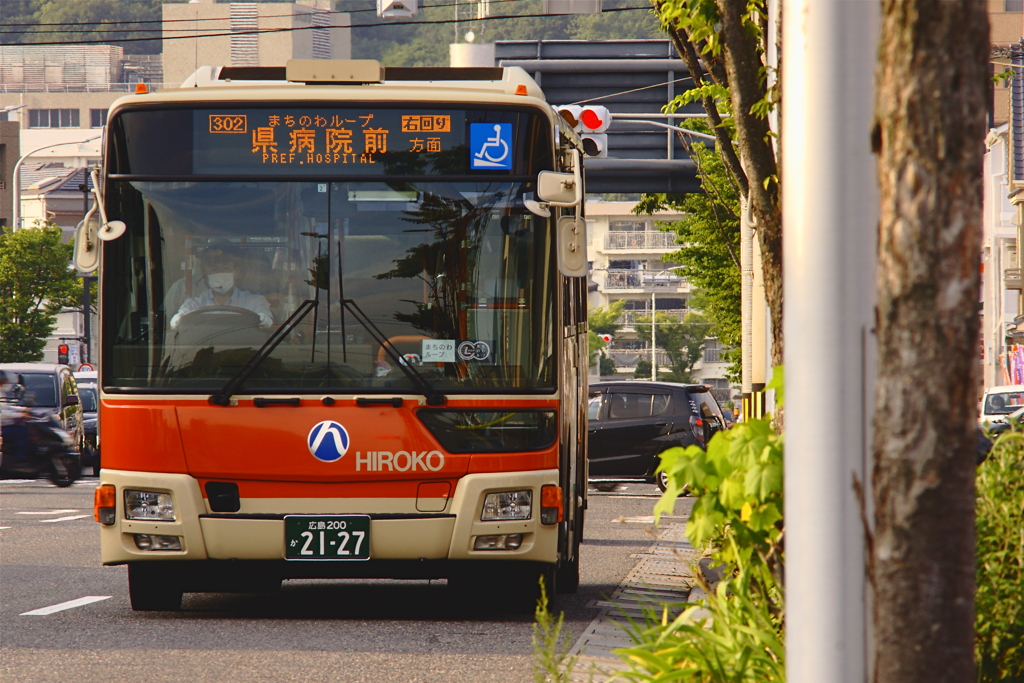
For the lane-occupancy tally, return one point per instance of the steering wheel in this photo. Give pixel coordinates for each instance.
(219, 316)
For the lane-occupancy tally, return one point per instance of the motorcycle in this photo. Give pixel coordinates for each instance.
(32, 443)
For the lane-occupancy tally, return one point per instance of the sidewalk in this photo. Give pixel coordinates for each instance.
(662, 575)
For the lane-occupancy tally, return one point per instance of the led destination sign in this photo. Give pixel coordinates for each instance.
(323, 140)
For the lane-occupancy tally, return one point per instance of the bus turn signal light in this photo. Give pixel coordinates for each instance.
(550, 504)
(105, 504)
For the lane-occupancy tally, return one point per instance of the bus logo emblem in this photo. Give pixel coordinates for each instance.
(328, 441)
(490, 146)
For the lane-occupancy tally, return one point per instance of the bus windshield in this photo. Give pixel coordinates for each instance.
(457, 276)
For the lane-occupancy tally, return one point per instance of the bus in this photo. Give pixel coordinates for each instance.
(343, 331)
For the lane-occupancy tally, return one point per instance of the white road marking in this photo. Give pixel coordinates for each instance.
(5, 527)
(64, 519)
(47, 512)
(70, 604)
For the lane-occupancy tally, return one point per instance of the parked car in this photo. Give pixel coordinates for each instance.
(1000, 402)
(34, 439)
(89, 397)
(51, 389)
(631, 422)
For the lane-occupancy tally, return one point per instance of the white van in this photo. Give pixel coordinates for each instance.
(1000, 402)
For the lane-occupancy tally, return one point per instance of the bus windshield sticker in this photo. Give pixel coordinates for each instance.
(455, 350)
(490, 146)
(438, 351)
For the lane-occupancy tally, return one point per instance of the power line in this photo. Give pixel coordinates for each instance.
(133, 22)
(304, 28)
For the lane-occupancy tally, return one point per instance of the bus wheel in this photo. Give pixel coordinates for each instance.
(568, 575)
(153, 587)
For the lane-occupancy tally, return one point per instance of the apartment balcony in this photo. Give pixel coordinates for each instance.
(628, 318)
(647, 242)
(713, 355)
(645, 282)
(1012, 279)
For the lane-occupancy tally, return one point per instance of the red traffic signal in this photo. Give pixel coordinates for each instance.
(62, 354)
(595, 119)
(590, 123)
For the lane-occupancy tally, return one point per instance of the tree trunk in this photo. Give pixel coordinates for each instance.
(747, 87)
(929, 130)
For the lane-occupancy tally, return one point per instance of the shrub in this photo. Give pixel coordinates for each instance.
(999, 603)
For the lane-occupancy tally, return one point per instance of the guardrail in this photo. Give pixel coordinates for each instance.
(625, 358)
(628, 318)
(643, 279)
(8, 88)
(639, 240)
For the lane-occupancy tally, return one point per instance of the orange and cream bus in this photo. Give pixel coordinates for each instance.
(343, 331)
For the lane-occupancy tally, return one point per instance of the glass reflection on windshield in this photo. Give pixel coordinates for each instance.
(456, 276)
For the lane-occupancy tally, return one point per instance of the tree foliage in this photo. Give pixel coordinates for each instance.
(709, 236)
(999, 609)
(35, 284)
(724, 43)
(604, 319)
(683, 341)
(82, 16)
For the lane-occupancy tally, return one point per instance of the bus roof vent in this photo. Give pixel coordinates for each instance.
(334, 71)
(251, 73)
(444, 73)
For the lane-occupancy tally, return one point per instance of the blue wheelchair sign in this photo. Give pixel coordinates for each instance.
(490, 146)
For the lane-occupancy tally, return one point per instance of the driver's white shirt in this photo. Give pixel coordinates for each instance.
(257, 303)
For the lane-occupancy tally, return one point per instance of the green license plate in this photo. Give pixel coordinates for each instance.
(327, 537)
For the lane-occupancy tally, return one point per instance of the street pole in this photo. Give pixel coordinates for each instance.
(830, 210)
(86, 280)
(654, 346)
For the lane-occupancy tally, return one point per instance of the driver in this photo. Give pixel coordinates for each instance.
(221, 271)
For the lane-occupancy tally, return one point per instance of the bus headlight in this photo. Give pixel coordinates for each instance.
(507, 505)
(150, 505)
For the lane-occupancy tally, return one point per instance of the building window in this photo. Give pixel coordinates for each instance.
(1013, 5)
(53, 118)
(97, 118)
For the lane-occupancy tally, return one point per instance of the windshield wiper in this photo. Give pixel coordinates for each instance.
(434, 397)
(223, 396)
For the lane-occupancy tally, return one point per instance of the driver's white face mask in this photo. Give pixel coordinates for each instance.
(221, 283)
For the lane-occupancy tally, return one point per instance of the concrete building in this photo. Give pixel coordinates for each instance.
(10, 152)
(50, 192)
(1001, 274)
(626, 254)
(228, 34)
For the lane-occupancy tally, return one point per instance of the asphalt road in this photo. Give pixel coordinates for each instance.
(310, 631)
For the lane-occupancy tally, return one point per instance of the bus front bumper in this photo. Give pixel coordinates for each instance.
(426, 542)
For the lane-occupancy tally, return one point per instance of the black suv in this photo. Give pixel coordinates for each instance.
(631, 423)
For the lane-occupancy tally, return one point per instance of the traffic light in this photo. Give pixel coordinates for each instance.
(590, 123)
(62, 354)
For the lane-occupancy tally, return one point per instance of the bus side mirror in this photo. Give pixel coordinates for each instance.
(87, 245)
(571, 236)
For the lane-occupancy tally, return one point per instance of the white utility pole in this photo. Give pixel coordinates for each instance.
(830, 210)
(654, 345)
